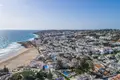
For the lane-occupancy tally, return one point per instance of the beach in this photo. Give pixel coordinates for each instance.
(23, 58)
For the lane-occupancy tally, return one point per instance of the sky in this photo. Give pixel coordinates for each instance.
(59, 14)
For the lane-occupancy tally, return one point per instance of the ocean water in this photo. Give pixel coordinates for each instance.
(9, 39)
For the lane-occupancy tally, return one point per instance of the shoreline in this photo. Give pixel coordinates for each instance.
(19, 52)
(22, 58)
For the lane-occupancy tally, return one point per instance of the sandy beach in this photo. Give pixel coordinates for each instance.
(23, 57)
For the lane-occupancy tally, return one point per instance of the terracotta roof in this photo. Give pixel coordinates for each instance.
(118, 40)
(99, 66)
(116, 77)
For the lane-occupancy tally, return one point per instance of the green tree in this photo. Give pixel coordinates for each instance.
(117, 56)
(25, 75)
(31, 75)
(85, 65)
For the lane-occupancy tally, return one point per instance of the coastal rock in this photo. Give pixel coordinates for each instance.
(26, 44)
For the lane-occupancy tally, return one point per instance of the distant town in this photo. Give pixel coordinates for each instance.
(71, 55)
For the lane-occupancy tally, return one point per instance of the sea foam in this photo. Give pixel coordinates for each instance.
(11, 49)
(9, 39)
(35, 36)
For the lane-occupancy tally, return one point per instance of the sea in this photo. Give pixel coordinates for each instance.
(9, 39)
